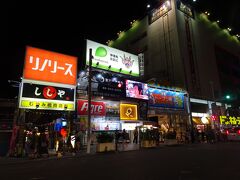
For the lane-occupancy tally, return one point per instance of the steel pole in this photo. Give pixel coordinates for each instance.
(89, 102)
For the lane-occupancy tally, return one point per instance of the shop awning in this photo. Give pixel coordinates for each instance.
(198, 120)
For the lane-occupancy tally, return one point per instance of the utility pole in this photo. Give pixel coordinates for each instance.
(213, 105)
(89, 101)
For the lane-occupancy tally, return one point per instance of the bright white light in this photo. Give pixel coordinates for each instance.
(218, 21)
(194, 0)
(168, 3)
(229, 29)
(148, 6)
(204, 120)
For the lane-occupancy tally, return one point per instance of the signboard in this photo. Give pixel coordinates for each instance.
(128, 112)
(185, 9)
(99, 124)
(229, 120)
(160, 11)
(136, 89)
(39, 91)
(46, 96)
(111, 59)
(47, 66)
(97, 108)
(103, 84)
(47, 105)
(165, 98)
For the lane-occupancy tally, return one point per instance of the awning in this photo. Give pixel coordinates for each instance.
(198, 120)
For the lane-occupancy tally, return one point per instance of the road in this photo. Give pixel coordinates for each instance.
(188, 162)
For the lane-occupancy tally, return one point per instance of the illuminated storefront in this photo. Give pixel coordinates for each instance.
(168, 108)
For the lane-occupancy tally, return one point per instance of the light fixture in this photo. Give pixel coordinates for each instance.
(218, 21)
(229, 29)
(207, 13)
(37, 105)
(148, 6)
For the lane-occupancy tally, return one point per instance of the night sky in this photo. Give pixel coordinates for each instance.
(62, 26)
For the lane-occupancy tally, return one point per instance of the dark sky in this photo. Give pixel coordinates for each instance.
(62, 26)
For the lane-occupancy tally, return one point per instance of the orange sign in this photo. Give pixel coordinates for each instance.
(128, 112)
(43, 65)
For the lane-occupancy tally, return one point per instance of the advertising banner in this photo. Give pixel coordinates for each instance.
(136, 89)
(47, 66)
(103, 84)
(46, 96)
(111, 59)
(165, 98)
(128, 112)
(229, 120)
(97, 108)
(99, 124)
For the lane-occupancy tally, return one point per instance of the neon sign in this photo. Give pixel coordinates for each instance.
(229, 120)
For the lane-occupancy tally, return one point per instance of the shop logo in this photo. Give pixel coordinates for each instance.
(101, 52)
(129, 112)
(127, 61)
(97, 108)
(49, 92)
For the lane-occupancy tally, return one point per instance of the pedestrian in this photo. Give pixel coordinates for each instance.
(135, 134)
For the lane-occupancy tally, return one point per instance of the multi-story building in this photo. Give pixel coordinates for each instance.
(7, 115)
(185, 49)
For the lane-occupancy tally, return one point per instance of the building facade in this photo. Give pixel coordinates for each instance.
(183, 48)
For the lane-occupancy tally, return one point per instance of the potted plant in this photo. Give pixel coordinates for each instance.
(105, 142)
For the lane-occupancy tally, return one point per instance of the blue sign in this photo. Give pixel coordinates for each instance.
(165, 98)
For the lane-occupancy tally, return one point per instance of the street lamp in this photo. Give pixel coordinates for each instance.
(228, 96)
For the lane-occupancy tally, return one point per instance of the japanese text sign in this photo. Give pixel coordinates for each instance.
(43, 65)
(229, 120)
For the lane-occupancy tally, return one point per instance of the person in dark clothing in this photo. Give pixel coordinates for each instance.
(135, 134)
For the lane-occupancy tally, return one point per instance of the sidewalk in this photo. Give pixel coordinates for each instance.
(82, 152)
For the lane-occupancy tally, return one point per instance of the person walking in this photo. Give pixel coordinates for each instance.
(135, 134)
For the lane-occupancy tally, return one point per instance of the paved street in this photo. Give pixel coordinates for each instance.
(186, 162)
